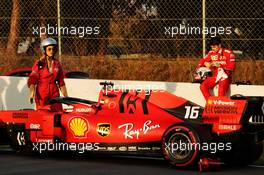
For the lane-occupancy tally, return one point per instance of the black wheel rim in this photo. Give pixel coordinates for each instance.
(180, 146)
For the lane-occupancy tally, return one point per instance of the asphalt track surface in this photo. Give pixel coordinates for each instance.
(14, 163)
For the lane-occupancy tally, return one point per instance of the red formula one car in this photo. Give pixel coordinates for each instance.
(154, 123)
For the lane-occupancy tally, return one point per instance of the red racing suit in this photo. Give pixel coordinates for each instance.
(47, 82)
(221, 76)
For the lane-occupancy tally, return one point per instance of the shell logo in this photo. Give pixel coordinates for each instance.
(78, 126)
(214, 57)
(209, 102)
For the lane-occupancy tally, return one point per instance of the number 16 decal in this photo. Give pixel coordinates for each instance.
(192, 112)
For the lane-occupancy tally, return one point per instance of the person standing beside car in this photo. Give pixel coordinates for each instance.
(222, 63)
(46, 79)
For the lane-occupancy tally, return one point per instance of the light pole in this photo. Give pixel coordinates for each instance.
(59, 26)
(204, 25)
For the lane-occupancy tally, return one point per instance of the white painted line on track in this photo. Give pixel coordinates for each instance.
(256, 166)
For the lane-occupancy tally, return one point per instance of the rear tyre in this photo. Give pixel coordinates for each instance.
(178, 145)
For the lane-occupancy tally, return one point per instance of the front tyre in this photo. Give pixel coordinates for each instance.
(179, 145)
(19, 137)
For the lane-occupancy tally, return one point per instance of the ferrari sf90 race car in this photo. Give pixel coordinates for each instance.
(141, 122)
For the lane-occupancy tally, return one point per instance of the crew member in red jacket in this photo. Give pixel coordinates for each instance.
(222, 63)
(46, 78)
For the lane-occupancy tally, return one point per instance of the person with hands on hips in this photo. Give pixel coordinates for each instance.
(46, 79)
(222, 63)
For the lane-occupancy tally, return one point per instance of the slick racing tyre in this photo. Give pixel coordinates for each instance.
(178, 145)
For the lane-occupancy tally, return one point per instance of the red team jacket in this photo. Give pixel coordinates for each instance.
(47, 81)
(224, 57)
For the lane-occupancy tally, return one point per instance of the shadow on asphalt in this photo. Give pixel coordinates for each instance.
(96, 158)
(132, 160)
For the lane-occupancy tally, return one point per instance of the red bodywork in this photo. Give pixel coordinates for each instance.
(224, 114)
(137, 121)
(131, 125)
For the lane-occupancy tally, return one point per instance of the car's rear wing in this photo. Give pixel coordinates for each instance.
(235, 113)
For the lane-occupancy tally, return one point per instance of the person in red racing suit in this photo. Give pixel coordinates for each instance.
(222, 63)
(47, 77)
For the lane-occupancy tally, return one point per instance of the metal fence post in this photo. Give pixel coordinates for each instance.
(59, 26)
(204, 25)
